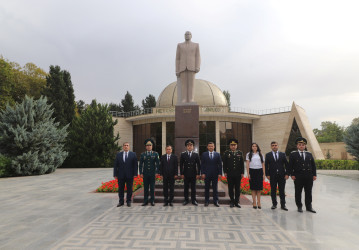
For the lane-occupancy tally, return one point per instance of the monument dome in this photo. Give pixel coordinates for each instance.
(205, 94)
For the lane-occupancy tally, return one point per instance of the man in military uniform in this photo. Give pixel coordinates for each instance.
(190, 168)
(233, 168)
(149, 165)
(303, 172)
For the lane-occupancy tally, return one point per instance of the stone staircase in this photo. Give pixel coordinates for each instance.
(179, 197)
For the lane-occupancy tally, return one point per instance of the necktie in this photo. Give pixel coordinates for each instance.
(126, 155)
(275, 156)
(189, 154)
(211, 156)
(168, 158)
(302, 155)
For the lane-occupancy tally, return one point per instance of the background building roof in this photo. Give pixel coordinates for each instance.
(205, 94)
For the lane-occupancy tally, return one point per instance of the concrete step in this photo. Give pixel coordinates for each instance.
(179, 200)
(199, 192)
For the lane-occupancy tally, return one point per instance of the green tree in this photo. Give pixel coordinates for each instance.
(91, 141)
(17, 81)
(149, 102)
(6, 83)
(228, 98)
(30, 137)
(351, 138)
(60, 93)
(115, 107)
(128, 104)
(330, 132)
(80, 106)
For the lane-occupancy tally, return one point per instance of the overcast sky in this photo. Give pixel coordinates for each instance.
(267, 54)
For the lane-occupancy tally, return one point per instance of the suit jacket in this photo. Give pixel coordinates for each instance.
(126, 169)
(301, 167)
(190, 166)
(169, 169)
(273, 167)
(233, 163)
(211, 167)
(149, 164)
(187, 57)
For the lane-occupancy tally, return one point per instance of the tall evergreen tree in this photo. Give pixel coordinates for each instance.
(228, 98)
(60, 93)
(30, 137)
(149, 102)
(351, 138)
(128, 104)
(91, 141)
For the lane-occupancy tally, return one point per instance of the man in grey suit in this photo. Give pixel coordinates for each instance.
(124, 170)
(188, 61)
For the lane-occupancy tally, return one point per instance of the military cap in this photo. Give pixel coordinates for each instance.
(301, 140)
(189, 141)
(149, 142)
(233, 141)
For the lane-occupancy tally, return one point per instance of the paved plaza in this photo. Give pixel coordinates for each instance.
(61, 211)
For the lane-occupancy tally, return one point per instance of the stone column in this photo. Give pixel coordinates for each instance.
(218, 138)
(164, 133)
(186, 126)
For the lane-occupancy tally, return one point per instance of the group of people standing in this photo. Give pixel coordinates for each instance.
(301, 167)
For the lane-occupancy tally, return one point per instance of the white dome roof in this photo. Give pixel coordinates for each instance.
(205, 94)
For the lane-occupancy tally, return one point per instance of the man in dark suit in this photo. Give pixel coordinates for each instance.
(169, 172)
(190, 168)
(276, 165)
(211, 166)
(303, 172)
(233, 168)
(125, 168)
(149, 165)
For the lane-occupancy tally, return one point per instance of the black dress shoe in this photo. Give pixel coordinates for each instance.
(171, 205)
(165, 204)
(152, 203)
(145, 203)
(237, 205)
(311, 210)
(185, 203)
(216, 204)
(206, 204)
(231, 204)
(300, 210)
(120, 204)
(284, 208)
(259, 207)
(128, 204)
(195, 203)
(274, 207)
(255, 207)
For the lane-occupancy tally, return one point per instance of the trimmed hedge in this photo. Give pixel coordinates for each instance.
(337, 164)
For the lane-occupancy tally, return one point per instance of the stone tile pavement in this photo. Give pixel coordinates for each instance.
(60, 211)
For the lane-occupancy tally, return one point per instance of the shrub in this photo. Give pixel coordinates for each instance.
(31, 138)
(337, 164)
(4, 166)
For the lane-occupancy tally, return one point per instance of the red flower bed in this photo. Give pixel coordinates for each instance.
(112, 186)
(245, 186)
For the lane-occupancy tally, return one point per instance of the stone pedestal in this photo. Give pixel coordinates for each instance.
(186, 126)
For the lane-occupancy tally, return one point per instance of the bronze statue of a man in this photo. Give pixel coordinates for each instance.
(188, 61)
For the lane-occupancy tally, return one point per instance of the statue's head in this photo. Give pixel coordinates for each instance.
(188, 36)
